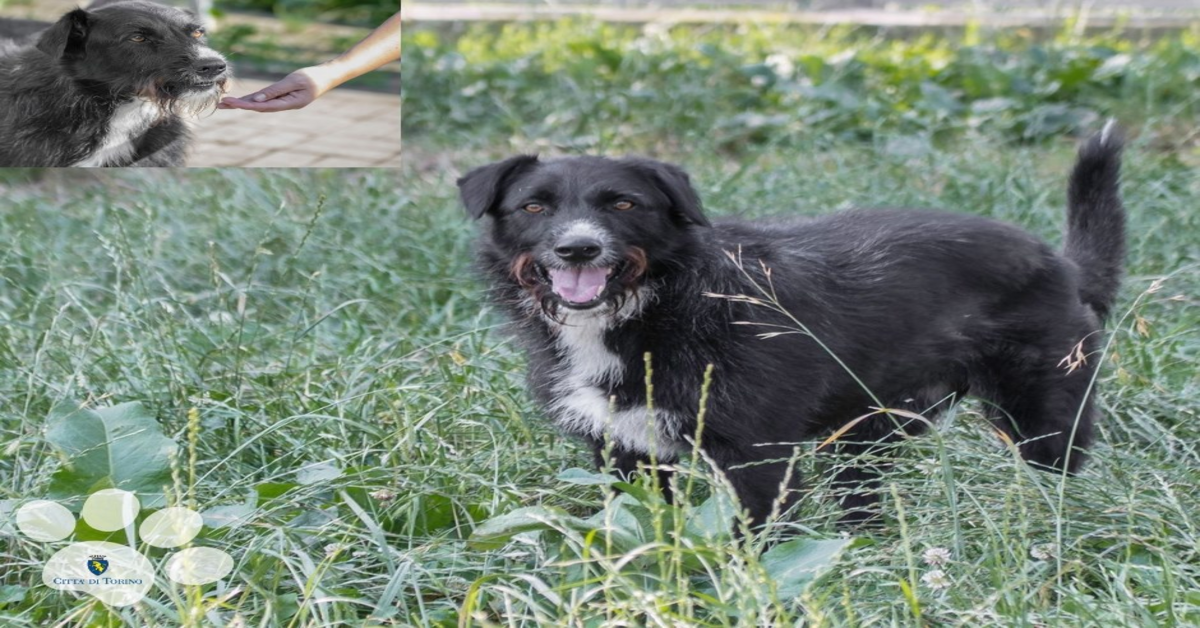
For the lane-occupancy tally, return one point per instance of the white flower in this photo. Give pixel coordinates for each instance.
(473, 88)
(1044, 551)
(333, 548)
(656, 30)
(929, 466)
(383, 495)
(936, 579)
(781, 65)
(936, 556)
(758, 81)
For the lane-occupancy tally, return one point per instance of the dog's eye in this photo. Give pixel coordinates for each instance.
(623, 206)
(137, 39)
(534, 208)
(198, 33)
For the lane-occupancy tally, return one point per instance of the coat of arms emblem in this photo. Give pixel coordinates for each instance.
(97, 564)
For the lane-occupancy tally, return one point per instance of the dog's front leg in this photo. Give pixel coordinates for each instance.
(764, 479)
(625, 463)
(164, 146)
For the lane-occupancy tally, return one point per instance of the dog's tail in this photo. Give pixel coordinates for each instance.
(1095, 238)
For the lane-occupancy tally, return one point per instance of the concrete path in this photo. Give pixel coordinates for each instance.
(345, 128)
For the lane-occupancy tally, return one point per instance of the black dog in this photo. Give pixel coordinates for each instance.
(107, 86)
(602, 261)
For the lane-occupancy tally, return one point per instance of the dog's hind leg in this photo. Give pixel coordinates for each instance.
(1048, 412)
(1039, 392)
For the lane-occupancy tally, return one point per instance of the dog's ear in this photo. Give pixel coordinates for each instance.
(482, 187)
(676, 184)
(67, 37)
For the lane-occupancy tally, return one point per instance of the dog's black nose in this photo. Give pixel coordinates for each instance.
(578, 250)
(208, 68)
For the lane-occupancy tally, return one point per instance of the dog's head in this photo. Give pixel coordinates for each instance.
(583, 232)
(128, 48)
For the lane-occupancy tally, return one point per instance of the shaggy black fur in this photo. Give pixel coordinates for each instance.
(106, 86)
(903, 309)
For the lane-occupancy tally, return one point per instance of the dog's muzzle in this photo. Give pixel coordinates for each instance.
(193, 87)
(203, 74)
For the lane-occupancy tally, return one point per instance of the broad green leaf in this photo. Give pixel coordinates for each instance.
(993, 105)
(8, 507)
(939, 99)
(620, 514)
(794, 564)
(584, 477)
(494, 532)
(230, 516)
(714, 518)
(11, 593)
(641, 494)
(317, 472)
(435, 512)
(120, 446)
(268, 491)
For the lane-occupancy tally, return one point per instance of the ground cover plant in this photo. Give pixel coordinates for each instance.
(580, 84)
(361, 12)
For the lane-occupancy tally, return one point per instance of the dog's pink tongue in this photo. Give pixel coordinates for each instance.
(578, 285)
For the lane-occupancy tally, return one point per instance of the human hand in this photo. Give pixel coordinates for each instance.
(293, 91)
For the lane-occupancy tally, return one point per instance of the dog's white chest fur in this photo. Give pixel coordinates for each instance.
(127, 123)
(581, 404)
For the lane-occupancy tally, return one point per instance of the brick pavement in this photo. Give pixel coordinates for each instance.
(345, 128)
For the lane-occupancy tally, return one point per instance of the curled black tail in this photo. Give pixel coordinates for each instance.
(1095, 237)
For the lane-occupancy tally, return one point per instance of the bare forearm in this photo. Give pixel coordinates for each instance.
(380, 47)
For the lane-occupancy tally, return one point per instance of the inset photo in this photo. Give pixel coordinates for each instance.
(199, 83)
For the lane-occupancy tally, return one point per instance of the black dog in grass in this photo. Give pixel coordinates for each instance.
(601, 261)
(107, 86)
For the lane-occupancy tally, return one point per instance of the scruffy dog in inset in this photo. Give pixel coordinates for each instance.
(600, 261)
(106, 86)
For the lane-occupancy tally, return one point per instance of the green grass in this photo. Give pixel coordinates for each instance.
(348, 334)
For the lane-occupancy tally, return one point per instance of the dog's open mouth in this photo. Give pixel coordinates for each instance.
(579, 288)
